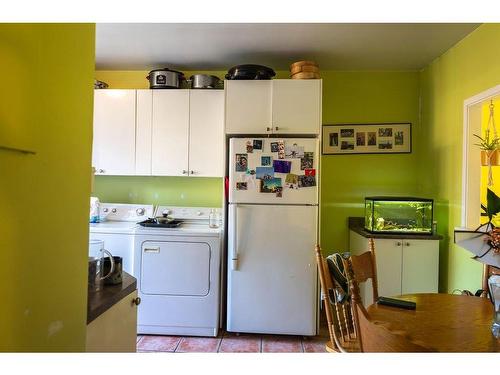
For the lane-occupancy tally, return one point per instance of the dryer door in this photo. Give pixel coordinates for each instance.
(175, 268)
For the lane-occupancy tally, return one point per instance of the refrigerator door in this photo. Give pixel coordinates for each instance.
(245, 186)
(271, 269)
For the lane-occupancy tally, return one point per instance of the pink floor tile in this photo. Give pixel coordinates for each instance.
(240, 344)
(314, 344)
(158, 343)
(198, 345)
(281, 344)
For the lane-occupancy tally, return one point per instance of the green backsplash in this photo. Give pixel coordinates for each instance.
(175, 191)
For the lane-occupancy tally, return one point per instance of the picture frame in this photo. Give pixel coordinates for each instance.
(373, 138)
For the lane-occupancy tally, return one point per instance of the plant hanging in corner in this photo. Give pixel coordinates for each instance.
(489, 145)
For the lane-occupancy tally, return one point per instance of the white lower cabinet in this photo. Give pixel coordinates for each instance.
(115, 330)
(420, 267)
(404, 266)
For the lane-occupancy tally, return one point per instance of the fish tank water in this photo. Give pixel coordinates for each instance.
(398, 215)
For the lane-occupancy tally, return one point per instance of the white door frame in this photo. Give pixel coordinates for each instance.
(471, 174)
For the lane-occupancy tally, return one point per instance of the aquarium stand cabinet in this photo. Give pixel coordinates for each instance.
(406, 264)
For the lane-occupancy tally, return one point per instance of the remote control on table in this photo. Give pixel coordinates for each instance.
(397, 303)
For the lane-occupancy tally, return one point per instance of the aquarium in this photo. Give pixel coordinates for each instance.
(398, 215)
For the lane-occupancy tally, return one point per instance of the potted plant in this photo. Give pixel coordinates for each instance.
(489, 149)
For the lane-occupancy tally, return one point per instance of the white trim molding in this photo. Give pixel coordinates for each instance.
(471, 173)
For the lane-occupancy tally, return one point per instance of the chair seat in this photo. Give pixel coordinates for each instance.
(349, 346)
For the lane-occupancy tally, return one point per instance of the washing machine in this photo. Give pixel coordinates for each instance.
(116, 228)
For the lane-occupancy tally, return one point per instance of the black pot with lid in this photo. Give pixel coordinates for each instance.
(250, 72)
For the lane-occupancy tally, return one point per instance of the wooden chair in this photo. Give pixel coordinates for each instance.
(366, 268)
(375, 337)
(338, 315)
(487, 272)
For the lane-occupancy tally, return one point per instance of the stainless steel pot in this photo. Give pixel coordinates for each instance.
(204, 81)
(165, 79)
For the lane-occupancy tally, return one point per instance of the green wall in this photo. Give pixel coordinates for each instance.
(467, 69)
(173, 191)
(365, 97)
(45, 105)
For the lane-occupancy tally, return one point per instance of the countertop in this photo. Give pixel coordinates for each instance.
(357, 224)
(100, 301)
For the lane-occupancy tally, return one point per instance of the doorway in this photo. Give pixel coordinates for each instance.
(471, 160)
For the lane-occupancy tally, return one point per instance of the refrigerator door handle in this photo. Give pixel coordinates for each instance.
(234, 250)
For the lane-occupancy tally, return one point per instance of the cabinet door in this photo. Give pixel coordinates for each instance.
(248, 106)
(113, 149)
(420, 266)
(169, 149)
(143, 132)
(388, 256)
(116, 329)
(206, 133)
(296, 106)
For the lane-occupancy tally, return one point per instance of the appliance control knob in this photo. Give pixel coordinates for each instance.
(140, 211)
(113, 210)
(105, 210)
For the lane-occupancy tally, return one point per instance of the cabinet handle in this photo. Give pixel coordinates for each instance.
(407, 244)
(101, 170)
(152, 249)
(269, 129)
(192, 172)
(184, 171)
(276, 128)
(398, 243)
(136, 301)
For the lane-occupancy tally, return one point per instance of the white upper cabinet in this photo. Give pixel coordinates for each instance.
(159, 132)
(113, 149)
(170, 132)
(206, 133)
(280, 106)
(248, 106)
(296, 106)
(143, 132)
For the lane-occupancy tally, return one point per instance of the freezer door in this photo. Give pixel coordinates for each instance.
(245, 187)
(271, 269)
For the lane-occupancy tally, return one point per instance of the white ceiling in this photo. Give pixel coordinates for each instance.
(221, 46)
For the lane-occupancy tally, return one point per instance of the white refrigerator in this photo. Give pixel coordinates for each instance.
(272, 231)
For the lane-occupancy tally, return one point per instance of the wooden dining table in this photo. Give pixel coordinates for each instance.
(443, 322)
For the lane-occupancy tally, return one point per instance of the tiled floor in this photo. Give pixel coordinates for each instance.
(232, 343)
